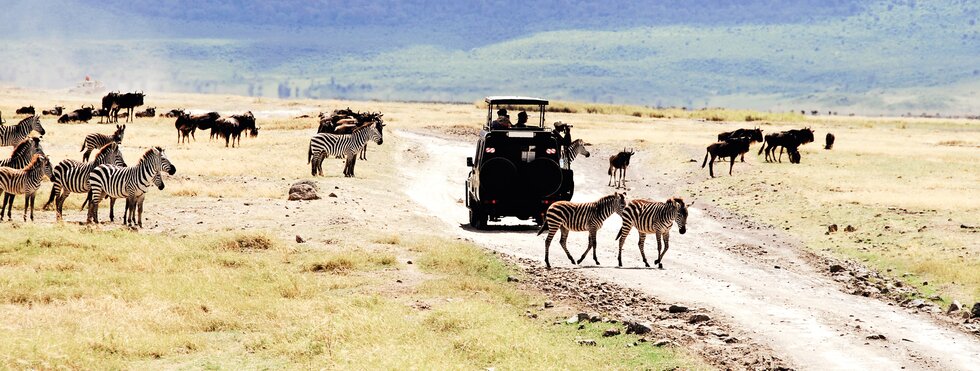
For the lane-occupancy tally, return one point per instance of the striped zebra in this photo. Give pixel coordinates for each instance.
(98, 140)
(71, 176)
(136, 202)
(571, 216)
(573, 150)
(653, 217)
(125, 182)
(23, 153)
(25, 182)
(12, 135)
(347, 145)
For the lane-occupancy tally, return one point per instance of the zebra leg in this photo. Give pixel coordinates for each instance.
(547, 246)
(112, 205)
(659, 249)
(589, 248)
(595, 246)
(52, 196)
(139, 220)
(4, 208)
(10, 205)
(623, 232)
(666, 247)
(59, 204)
(86, 154)
(564, 244)
(33, 195)
(643, 254)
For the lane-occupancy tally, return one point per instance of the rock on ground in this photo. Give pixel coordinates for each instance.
(304, 190)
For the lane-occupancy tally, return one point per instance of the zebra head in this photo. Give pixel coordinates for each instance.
(45, 164)
(681, 217)
(118, 135)
(578, 148)
(36, 125)
(165, 162)
(158, 180)
(619, 203)
(377, 132)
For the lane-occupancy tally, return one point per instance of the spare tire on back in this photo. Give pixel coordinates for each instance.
(545, 177)
(497, 178)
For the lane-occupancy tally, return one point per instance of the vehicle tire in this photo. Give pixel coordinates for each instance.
(478, 218)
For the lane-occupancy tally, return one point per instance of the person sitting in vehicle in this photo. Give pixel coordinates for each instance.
(502, 121)
(521, 120)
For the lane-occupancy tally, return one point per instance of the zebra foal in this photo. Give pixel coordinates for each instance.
(126, 182)
(347, 145)
(25, 182)
(98, 140)
(11, 135)
(571, 216)
(23, 153)
(653, 217)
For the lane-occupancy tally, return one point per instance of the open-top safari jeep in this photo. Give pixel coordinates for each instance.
(519, 170)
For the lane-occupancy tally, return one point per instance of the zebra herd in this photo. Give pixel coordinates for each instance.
(106, 176)
(646, 216)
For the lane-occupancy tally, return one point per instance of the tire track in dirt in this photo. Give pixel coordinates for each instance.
(776, 298)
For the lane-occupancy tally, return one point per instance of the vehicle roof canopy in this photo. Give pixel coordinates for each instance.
(516, 100)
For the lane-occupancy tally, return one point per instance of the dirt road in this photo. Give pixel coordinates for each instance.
(753, 277)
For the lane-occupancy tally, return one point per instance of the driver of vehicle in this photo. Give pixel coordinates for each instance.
(521, 120)
(502, 121)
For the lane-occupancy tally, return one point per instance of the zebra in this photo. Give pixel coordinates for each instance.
(125, 182)
(571, 216)
(98, 140)
(576, 148)
(24, 181)
(348, 145)
(71, 176)
(23, 153)
(12, 135)
(134, 202)
(653, 217)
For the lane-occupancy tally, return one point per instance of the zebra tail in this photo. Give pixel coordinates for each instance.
(625, 229)
(51, 198)
(87, 199)
(706, 152)
(83, 148)
(762, 146)
(309, 153)
(544, 226)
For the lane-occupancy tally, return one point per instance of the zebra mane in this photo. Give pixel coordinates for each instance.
(34, 160)
(29, 121)
(149, 154)
(24, 146)
(676, 201)
(104, 150)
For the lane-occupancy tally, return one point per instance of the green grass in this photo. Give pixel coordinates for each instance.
(75, 297)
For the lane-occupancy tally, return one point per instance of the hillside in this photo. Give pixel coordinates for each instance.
(879, 57)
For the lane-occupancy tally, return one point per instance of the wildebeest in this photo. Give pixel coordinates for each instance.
(83, 114)
(56, 111)
(754, 135)
(173, 113)
(617, 165)
(731, 148)
(115, 101)
(149, 112)
(29, 110)
(187, 124)
(830, 141)
(789, 140)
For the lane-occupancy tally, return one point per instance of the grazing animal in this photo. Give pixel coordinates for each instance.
(790, 140)
(56, 111)
(576, 148)
(22, 154)
(97, 140)
(83, 114)
(108, 101)
(25, 182)
(814, 112)
(231, 128)
(134, 203)
(12, 135)
(830, 141)
(125, 182)
(653, 217)
(755, 135)
(173, 113)
(571, 216)
(344, 121)
(149, 112)
(794, 156)
(617, 165)
(71, 176)
(187, 124)
(29, 110)
(115, 102)
(730, 148)
(347, 145)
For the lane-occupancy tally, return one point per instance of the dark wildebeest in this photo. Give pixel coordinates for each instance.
(814, 112)
(29, 110)
(107, 102)
(117, 101)
(231, 128)
(754, 135)
(830, 141)
(187, 124)
(617, 165)
(173, 113)
(83, 114)
(732, 148)
(56, 111)
(790, 140)
(149, 112)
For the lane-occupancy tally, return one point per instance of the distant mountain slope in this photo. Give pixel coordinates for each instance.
(879, 56)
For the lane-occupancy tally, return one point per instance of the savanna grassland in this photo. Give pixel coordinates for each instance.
(217, 278)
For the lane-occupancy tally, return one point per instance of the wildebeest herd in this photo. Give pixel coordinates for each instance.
(229, 127)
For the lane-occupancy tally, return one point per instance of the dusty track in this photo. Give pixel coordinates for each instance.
(749, 276)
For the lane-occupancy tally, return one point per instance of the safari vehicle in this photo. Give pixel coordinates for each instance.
(517, 171)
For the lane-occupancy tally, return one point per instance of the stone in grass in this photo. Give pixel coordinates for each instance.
(639, 328)
(611, 332)
(675, 308)
(954, 306)
(697, 318)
